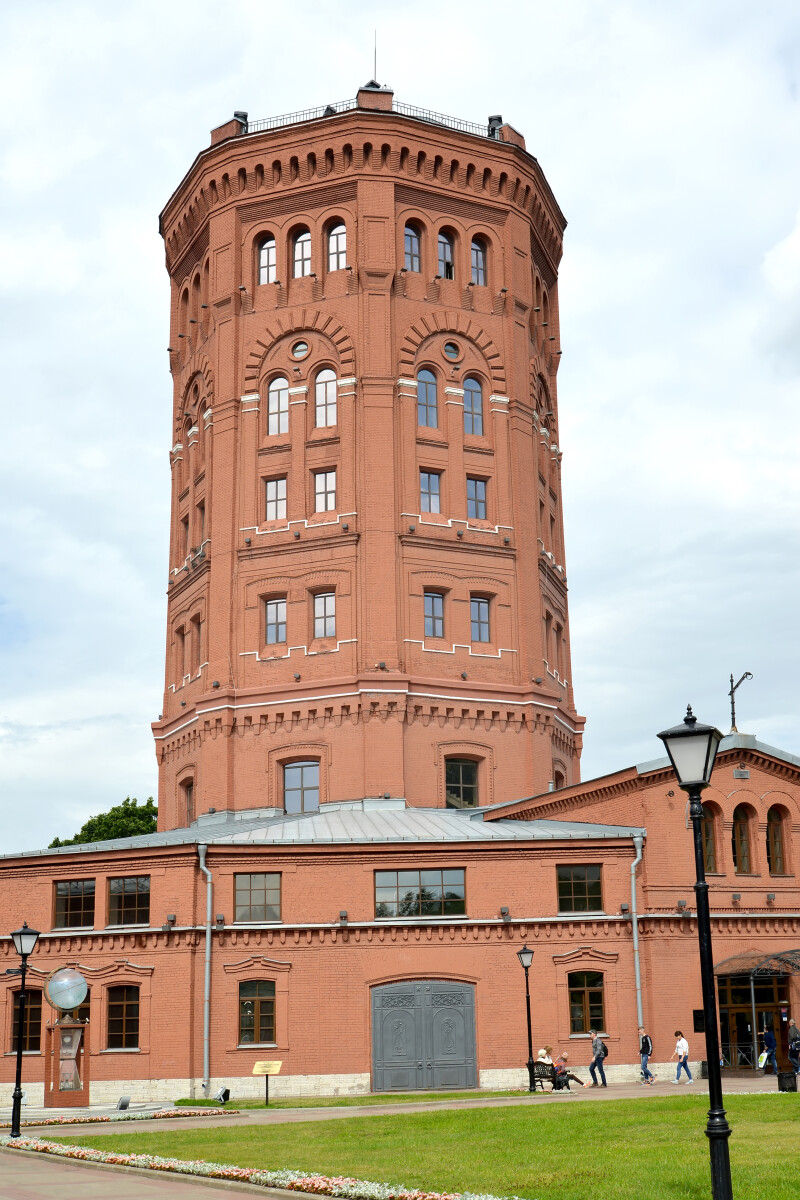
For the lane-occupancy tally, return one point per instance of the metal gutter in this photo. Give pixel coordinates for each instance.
(202, 850)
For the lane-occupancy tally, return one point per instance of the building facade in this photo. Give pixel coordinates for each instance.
(369, 790)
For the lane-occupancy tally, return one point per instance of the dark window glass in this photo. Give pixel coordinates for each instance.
(461, 783)
(74, 903)
(256, 1011)
(427, 405)
(775, 857)
(586, 1009)
(123, 1017)
(435, 893)
(473, 407)
(479, 619)
(446, 269)
(258, 897)
(452, 350)
(434, 614)
(579, 889)
(429, 490)
(301, 787)
(740, 841)
(32, 1021)
(709, 839)
(81, 1013)
(276, 621)
(412, 249)
(129, 900)
(479, 263)
(187, 788)
(476, 498)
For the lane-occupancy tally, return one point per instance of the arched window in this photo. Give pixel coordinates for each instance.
(325, 399)
(473, 407)
(559, 779)
(479, 262)
(301, 253)
(267, 260)
(740, 840)
(427, 403)
(278, 406)
(446, 267)
(412, 247)
(337, 248)
(187, 795)
(775, 853)
(708, 829)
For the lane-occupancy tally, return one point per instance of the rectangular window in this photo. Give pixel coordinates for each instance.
(429, 491)
(258, 897)
(276, 499)
(324, 491)
(586, 1008)
(188, 799)
(479, 619)
(301, 787)
(579, 889)
(278, 408)
(31, 1023)
(478, 264)
(461, 783)
(476, 498)
(325, 615)
(74, 904)
(257, 1012)
(201, 524)
(197, 644)
(420, 893)
(129, 900)
(434, 614)
(276, 621)
(123, 1018)
(184, 537)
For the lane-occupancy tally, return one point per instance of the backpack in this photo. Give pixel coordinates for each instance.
(605, 1049)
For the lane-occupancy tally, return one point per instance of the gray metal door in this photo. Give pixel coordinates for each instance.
(423, 1036)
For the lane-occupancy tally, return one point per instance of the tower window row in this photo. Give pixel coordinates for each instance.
(446, 255)
(323, 609)
(430, 495)
(299, 253)
(325, 403)
(433, 604)
(428, 403)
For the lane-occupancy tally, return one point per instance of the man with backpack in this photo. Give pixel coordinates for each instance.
(599, 1052)
(645, 1050)
(794, 1046)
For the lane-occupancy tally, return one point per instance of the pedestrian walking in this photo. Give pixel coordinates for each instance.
(598, 1054)
(645, 1050)
(682, 1052)
(770, 1046)
(794, 1046)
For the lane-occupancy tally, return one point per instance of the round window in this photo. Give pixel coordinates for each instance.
(300, 349)
(452, 349)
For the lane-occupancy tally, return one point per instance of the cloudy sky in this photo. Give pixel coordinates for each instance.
(671, 136)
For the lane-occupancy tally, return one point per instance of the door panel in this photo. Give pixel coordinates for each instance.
(423, 1036)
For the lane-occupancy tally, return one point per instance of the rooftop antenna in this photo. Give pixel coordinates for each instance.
(732, 694)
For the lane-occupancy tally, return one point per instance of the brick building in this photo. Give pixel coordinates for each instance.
(369, 789)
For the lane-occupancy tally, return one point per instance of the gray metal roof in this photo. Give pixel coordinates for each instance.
(360, 822)
(733, 741)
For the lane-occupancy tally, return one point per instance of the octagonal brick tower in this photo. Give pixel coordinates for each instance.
(364, 329)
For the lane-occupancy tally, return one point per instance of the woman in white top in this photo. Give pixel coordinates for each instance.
(682, 1052)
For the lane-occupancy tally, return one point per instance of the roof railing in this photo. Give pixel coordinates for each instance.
(406, 110)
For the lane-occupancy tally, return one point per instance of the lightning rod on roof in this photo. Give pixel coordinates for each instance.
(732, 694)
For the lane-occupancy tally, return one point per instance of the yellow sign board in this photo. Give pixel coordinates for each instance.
(267, 1068)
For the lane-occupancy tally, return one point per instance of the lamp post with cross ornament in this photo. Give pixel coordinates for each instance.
(525, 957)
(24, 940)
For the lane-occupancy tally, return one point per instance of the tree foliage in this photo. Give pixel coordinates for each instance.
(129, 819)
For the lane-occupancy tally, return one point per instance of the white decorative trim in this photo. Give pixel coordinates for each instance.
(178, 446)
(458, 403)
(246, 399)
(458, 646)
(296, 391)
(451, 521)
(207, 415)
(407, 383)
(308, 653)
(177, 687)
(499, 399)
(349, 379)
(304, 522)
(293, 402)
(451, 391)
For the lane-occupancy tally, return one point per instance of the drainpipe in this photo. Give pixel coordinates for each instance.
(637, 844)
(201, 853)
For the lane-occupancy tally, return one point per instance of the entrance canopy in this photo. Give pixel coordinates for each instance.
(755, 962)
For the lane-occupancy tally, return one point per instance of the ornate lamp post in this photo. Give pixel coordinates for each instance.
(692, 748)
(24, 941)
(525, 957)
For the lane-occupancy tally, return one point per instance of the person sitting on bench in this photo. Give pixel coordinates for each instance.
(563, 1073)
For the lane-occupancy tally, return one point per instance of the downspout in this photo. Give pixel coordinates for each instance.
(201, 853)
(637, 844)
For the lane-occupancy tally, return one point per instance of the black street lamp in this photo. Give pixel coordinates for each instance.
(24, 941)
(525, 957)
(692, 748)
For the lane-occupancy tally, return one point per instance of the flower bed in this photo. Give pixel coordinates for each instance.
(296, 1181)
(128, 1116)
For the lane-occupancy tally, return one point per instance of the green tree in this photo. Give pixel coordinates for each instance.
(129, 819)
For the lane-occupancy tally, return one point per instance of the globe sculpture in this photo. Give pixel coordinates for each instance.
(65, 989)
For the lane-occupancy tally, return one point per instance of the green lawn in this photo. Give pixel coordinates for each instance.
(614, 1150)
(353, 1101)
